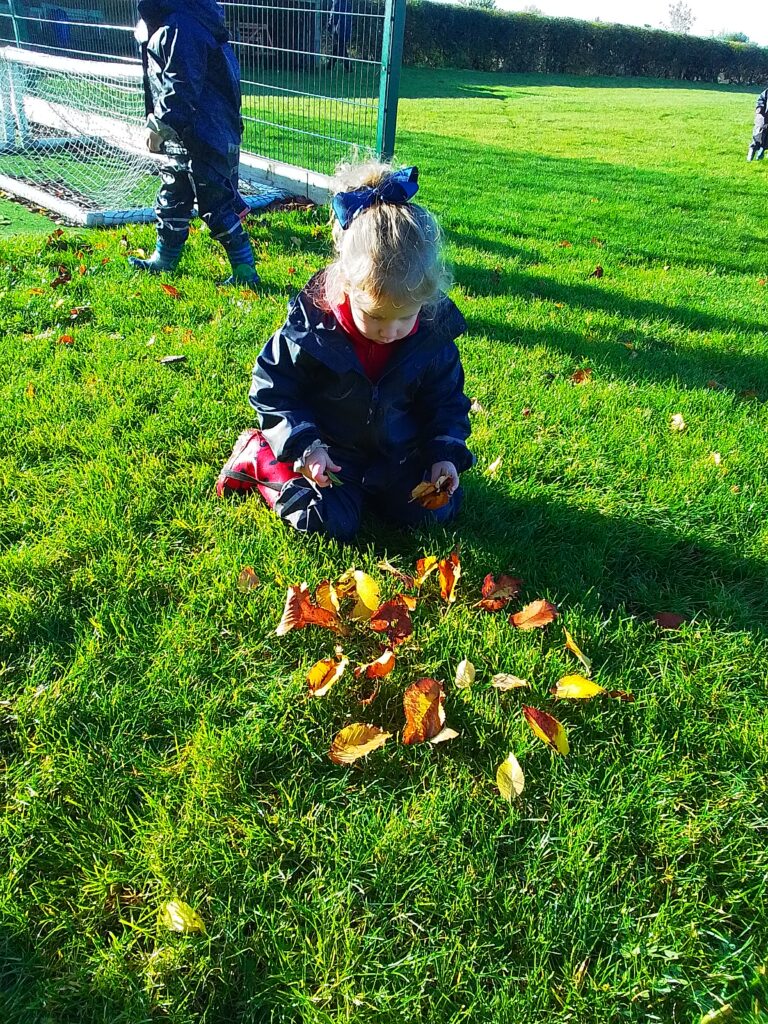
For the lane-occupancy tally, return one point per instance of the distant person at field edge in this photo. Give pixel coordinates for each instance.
(192, 97)
(340, 28)
(360, 394)
(760, 134)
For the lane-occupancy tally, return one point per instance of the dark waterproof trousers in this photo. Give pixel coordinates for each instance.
(209, 177)
(336, 511)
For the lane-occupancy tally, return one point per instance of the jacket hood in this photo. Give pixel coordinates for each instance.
(207, 12)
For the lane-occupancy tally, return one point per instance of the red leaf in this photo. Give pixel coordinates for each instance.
(669, 620)
(498, 593)
(394, 619)
(170, 290)
(300, 611)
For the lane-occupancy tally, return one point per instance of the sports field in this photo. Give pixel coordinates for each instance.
(609, 246)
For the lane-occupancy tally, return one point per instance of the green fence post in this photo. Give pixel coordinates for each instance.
(15, 21)
(391, 61)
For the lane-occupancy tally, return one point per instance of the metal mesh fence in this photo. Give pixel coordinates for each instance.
(313, 71)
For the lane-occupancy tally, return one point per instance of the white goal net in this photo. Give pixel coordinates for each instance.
(72, 141)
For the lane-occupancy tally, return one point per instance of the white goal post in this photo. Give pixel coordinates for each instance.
(72, 141)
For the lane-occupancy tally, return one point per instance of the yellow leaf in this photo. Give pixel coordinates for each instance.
(356, 741)
(180, 917)
(547, 729)
(323, 674)
(445, 734)
(424, 566)
(326, 597)
(503, 681)
(573, 647)
(465, 674)
(368, 598)
(576, 688)
(510, 778)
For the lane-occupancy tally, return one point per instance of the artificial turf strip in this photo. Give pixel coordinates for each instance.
(156, 739)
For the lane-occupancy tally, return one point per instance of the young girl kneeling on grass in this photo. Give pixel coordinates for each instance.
(360, 394)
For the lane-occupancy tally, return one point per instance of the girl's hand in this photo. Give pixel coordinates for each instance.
(317, 465)
(445, 469)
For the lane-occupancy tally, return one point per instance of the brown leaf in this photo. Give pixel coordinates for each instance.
(535, 615)
(450, 572)
(356, 741)
(403, 577)
(394, 619)
(300, 611)
(497, 593)
(597, 272)
(547, 729)
(503, 681)
(424, 715)
(432, 495)
(170, 290)
(63, 277)
(582, 376)
(382, 666)
(669, 620)
(323, 674)
(565, 244)
(247, 580)
(371, 697)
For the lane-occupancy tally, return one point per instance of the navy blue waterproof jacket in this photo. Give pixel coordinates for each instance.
(308, 384)
(191, 74)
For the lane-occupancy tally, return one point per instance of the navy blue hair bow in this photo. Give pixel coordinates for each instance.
(398, 187)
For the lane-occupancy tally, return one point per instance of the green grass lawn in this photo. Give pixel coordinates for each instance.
(156, 740)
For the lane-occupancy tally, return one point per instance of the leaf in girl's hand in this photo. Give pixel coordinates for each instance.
(510, 778)
(356, 741)
(432, 495)
(502, 681)
(535, 615)
(424, 715)
(403, 577)
(450, 572)
(382, 666)
(247, 580)
(497, 593)
(547, 729)
(576, 688)
(178, 916)
(465, 674)
(323, 674)
(424, 567)
(572, 646)
(299, 612)
(394, 619)
(335, 480)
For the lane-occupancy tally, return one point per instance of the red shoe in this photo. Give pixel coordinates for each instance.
(252, 464)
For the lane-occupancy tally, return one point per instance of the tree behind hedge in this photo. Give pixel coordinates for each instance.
(442, 35)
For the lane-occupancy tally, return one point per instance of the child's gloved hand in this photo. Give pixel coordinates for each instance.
(316, 466)
(445, 469)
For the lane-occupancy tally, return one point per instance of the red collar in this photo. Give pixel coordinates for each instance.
(373, 356)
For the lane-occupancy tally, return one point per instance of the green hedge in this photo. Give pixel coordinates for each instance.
(442, 35)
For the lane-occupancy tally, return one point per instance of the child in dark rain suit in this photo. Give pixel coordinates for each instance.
(192, 97)
(360, 394)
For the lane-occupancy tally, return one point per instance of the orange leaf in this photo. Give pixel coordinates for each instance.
(582, 376)
(432, 495)
(424, 567)
(247, 580)
(565, 244)
(299, 612)
(497, 593)
(325, 673)
(356, 741)
(82, 269)
(535, 615)
(407, 581)
(669, 620)
(424, 715)
(382, 666)
(547, 728)
(394, 619)
(409, 600)
(450, 573)
(170, 290)
(66, 339)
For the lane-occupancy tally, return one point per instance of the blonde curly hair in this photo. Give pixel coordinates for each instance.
(391, 251)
